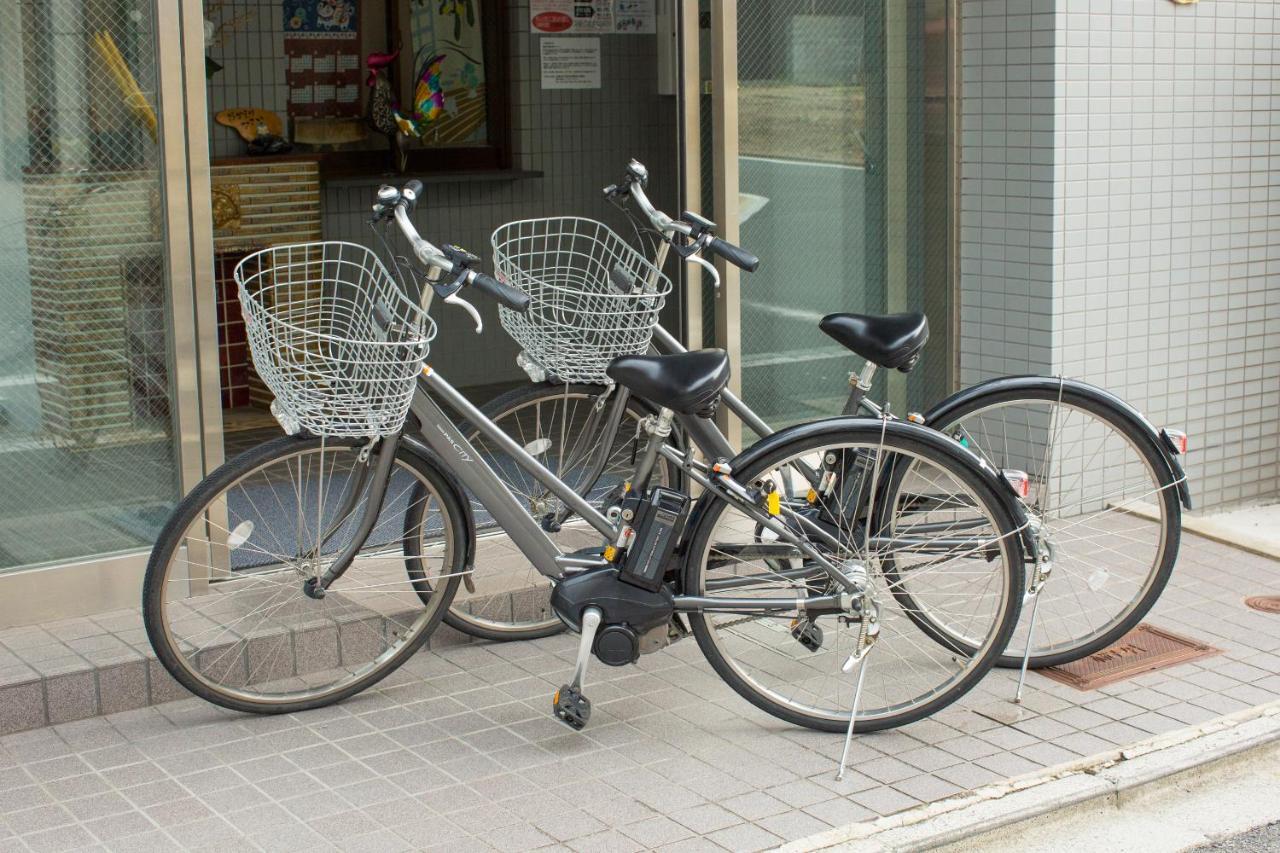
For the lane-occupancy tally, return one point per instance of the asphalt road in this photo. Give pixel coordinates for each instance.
(1257, 840)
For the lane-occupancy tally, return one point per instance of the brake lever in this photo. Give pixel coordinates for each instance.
(708, 266)
(449, 294)
(453, 299)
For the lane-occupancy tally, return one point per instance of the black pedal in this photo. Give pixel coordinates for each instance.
(571, 707)
(659, 520)
(807, 634)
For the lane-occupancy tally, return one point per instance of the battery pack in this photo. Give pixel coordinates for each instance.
(659, 520)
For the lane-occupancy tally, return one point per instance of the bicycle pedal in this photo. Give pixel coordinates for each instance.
(571, 707)
(807, 634)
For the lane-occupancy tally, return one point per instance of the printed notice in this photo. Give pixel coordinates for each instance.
(571, 63)
(570, 17)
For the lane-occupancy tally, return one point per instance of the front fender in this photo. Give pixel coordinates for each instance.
(943, 411)
(416, 446)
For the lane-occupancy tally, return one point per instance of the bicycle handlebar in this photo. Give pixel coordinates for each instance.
(735, 255)
(700, 231)
(508, 296)
(434, 258)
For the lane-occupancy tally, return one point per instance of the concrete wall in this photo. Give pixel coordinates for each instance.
(1121, 215)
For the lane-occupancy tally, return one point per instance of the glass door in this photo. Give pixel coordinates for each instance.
(837, 175)
(90, 463)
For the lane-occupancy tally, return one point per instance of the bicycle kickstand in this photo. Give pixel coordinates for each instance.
(870, 630)
(569, 705)
(1044, 563)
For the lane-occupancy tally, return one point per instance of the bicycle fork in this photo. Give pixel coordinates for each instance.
(378, 475)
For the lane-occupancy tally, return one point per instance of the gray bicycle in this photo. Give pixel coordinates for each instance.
(1100, 487)
(307, 569)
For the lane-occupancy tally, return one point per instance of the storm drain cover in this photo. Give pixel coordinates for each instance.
(1265, 603)
(1144, 649)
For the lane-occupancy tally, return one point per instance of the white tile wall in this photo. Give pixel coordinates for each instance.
(1149, 241)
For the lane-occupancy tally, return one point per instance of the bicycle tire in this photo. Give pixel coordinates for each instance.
(1028, 391)
(900, 438)
(196, 507)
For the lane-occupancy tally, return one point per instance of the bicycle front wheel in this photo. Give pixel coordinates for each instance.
(563, 427)
(224, 599)
(1103, 501)
(962, 557)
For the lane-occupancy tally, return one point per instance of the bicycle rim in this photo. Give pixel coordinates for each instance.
(225, 601)
(1087, 472)
(964, 561)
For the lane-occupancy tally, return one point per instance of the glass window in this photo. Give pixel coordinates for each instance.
(87, 462)
(844, 193)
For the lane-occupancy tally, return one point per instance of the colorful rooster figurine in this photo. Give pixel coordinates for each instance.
(384, 111)
(428, 99)
(382, 102)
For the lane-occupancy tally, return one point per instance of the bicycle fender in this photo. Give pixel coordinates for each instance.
(416, 446)
(942, 410)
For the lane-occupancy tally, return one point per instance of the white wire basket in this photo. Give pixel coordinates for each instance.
(593, 297)
(333, 336)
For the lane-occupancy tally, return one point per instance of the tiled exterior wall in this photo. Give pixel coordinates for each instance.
(1168, 283)
(1151, 134)
(1006, 189)
(580, 140)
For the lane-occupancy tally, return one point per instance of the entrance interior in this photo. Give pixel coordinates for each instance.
(509, 142)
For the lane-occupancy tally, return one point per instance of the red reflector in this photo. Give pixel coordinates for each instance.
(1019, 480)
(1179, 439)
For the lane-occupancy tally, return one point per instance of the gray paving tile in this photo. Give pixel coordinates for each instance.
(655, 831)
(16, 799)
(745, 837)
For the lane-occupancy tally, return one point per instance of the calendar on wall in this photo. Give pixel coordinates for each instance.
(322, 49)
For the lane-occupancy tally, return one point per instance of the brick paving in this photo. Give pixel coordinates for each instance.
(458, 751)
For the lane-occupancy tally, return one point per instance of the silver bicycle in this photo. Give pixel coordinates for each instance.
(311, 567)
(1100, 486)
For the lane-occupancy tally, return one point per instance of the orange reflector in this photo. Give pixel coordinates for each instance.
(812, 497)
(610, 552)
(774, 502)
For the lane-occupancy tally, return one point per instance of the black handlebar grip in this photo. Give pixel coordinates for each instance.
(410, 193)
(740, 258)
(516, 300)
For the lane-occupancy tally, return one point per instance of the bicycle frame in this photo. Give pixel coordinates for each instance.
(444, 438)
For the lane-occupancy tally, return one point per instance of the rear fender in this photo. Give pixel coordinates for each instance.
(942, 411)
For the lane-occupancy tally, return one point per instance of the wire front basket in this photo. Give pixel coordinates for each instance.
(593, 297)
(333, 336)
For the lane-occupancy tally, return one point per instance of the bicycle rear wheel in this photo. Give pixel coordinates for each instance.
(562, 427)
(963, 560)
(1091, 465)
(224, 601)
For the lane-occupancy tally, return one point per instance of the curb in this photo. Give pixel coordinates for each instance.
(1115, 775)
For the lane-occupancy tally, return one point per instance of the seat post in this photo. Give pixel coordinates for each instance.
(859, 385)
(658, 429)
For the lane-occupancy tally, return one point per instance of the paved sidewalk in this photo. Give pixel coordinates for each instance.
(458, 751)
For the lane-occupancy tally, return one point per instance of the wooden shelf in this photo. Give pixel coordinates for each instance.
(460, 177)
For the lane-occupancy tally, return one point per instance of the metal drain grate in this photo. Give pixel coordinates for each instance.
(1144, 649)
(1265, 603)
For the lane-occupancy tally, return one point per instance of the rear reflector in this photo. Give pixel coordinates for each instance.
(1019, 480)
(1179, 439)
